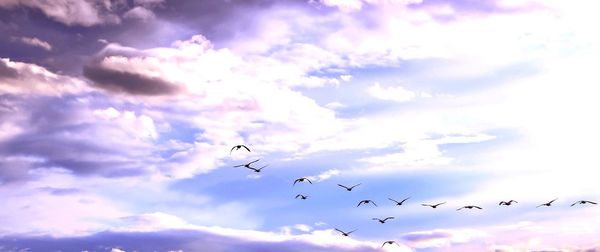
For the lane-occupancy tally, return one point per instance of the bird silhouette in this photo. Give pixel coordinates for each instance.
(547, 204)
(348, 188)
(247, 165)
(399, 203)
(469, 207)
(302, 180)
(584, 202)
(344, 233)
(250, 167)
(389, 242)
(434, 206)
(507, 203)
(237, 147)
(301, 196)
(366, 202)
(384, 220)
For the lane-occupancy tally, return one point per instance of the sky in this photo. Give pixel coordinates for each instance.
(118, 118)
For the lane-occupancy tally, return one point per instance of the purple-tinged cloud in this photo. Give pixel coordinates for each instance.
(172, 240)
(72, 12)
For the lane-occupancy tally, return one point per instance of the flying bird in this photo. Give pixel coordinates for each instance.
(301, 196)
(348, 188)
(469, 207)
(237, 147)
(247, 165)
(547, 204)
(252, 168)
(507, 203)
(384, 220)
(302, 180)
(399, 203)
(584, 202)
(389, 242)
(366, 202)
(434, 206)
(257, 169)
(344, 233)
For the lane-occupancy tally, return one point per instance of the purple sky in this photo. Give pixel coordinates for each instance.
(117, 119)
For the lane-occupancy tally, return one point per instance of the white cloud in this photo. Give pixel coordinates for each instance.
(324, 175)
(139, 13)
(36, 42)
(31, 79)
(396, 93)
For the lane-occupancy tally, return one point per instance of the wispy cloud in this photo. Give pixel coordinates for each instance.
(36, 42)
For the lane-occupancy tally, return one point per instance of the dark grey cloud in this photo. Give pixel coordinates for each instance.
(7, 72)
(159, 241)
(127, 82)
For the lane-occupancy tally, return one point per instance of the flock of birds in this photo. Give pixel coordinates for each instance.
(397, 203)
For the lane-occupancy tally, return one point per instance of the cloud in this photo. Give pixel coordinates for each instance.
(30, 79)
(126, 82)
(72, 12)
(354, 5)
(183, 240)
(36, 42)
(139, 13)
(441, 237)
(324, 175)
(397, 93)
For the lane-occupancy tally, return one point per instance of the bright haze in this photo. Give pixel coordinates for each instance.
(118, 119)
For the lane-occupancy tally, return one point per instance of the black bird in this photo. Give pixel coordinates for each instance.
(366, 202)
(344, 233)
(302, 180)
(398, 203)
(252, 168)
(301, 196)
(389, 242)
(384, 220)
(434, 206)
(248, 164)
(348, 188)
(507, 203)
(469, 207)
(584, 202)
(237, 147)
(547, 204)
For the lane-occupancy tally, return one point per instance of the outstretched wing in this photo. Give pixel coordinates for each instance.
(343, 186)
(362, 201)
(351, 231)
(477, 207)
(592, 202)
(460, 208)
(253, 162)
(232, 148)
(393, 200)
(339, 230)
(502, 202)
(388, 218)
(308, 180)
(296, 181)
(575, 203)
(373, 203)
(355, 186)
(245, 148)
(404, 200)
